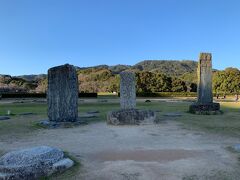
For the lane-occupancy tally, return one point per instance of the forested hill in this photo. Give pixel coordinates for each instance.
(168, 67)
(151, 76)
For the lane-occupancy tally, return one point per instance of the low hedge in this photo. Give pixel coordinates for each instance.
(42, 95)
(88, 95)
(23, 95)
(165, 94)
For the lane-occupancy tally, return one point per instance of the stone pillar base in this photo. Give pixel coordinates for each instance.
(208, 109)
(131, 117)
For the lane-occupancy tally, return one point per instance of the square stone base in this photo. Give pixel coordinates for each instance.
(131, 117)
(208, 109)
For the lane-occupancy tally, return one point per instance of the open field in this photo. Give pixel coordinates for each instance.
(186, 147)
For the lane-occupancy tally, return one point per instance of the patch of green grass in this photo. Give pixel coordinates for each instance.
(21, 125)
(23, 108)
(228, 123)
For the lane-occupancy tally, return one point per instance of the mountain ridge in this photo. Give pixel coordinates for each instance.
(168, 67)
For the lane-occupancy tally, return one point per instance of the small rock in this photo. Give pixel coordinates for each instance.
(237, 148)
(93, 112)
(4, 118)
(26, 114)
(103, 101)
(39, 101)
(16, 102)
(45, 123)
(87, 116)
(174, 114)
(148, 101)
(50, 124)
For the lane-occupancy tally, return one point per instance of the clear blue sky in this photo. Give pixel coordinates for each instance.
(38, 34)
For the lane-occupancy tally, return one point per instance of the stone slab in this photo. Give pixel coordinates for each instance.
(33, 163)
(131, 117)
(173, 114)
(2, 118)
(210, 108)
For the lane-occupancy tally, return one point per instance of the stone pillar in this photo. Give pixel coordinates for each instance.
(205, 78)
(205, 104)
(128, 115)
(127, 90)
(62, 94)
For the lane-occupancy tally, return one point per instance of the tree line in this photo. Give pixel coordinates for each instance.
(105, 80)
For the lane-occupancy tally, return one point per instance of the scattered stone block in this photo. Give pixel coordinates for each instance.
(93, 112)
(103, 101)
(62, 95)
(237, 148)
(27, 114)
(87, 116)
(2, 118)
(39, 101)
(173, 114)
(33, 163)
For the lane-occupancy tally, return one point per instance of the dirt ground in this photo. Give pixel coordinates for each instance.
(164, 151)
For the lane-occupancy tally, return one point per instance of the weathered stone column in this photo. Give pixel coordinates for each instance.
(62, 94)
(205, 78)
(127, 90)
(204, 104)
(128, 114)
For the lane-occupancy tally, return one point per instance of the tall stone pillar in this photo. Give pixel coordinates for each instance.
(127, 90)
(128, 114)
(205, 78)
(204, 104)
(62, 94)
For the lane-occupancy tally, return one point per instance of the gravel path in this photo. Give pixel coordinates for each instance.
(149, 152)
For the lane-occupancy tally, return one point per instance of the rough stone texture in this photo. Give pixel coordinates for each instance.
(210, 108)
(127, 90)
(131, 117)
(62, 95)
(33, 163)
(204, 104)
(205, 79)
(128, 115)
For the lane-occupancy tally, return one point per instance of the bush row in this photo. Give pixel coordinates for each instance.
(42, 95)
(166, 94)
(95, 95)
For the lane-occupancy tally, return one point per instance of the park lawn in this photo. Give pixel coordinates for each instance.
(228, 123)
